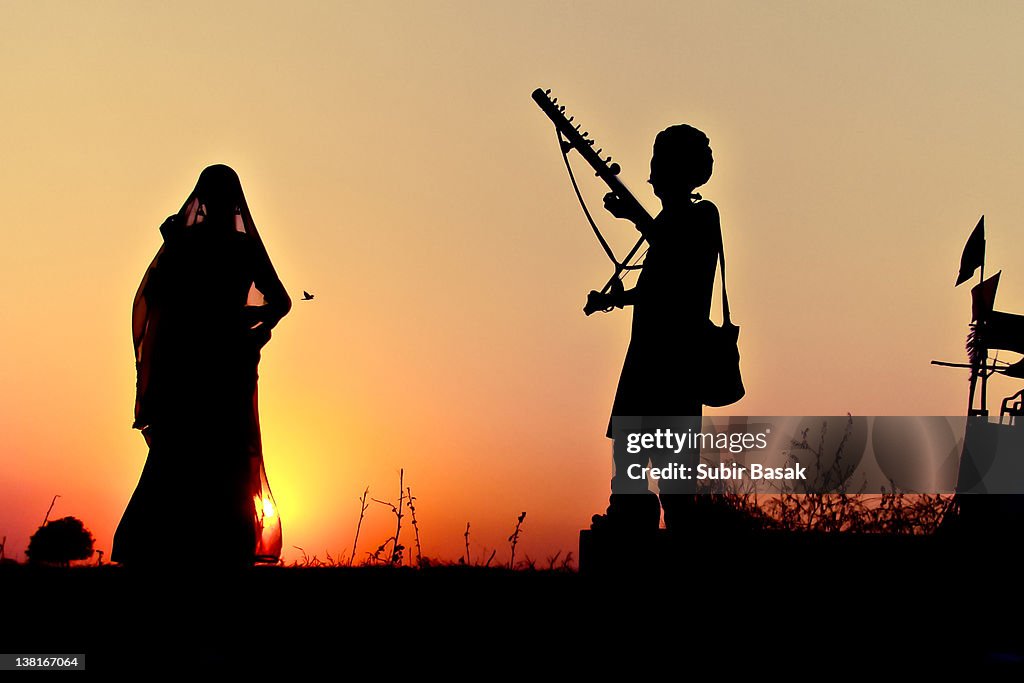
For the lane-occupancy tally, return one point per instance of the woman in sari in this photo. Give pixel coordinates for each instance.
(202, 314)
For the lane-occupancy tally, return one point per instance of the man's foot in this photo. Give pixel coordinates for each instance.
(630, 513)
(680, 512)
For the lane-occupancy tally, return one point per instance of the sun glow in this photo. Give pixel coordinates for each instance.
(268, 508)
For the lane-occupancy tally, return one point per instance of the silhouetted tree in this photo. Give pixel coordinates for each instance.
(60, 542)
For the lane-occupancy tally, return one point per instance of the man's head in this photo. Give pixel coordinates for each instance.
(681, 161)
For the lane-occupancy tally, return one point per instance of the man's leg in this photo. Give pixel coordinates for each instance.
(632, 506)
(679, 495)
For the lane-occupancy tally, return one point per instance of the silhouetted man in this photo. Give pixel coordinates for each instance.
(671, 306)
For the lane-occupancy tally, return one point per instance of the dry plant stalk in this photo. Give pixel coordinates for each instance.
(397, 547)
(514, 540)
(415, 525)
(362, 513)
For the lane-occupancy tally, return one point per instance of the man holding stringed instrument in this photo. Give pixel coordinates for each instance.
(671, 305)
(677, 360)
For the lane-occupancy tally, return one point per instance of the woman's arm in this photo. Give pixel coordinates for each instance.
(276, 305)
(276, 302)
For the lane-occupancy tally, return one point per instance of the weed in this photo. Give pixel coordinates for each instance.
(362, 513)
(415, 525)
(514, 540)
(397, 548)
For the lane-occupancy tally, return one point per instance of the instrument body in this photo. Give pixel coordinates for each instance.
(571, 138)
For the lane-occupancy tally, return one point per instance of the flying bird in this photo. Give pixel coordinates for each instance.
(306, 296)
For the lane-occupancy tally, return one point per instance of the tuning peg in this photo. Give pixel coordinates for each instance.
(586, 133)
(548, 91)
(571, 118)
(577, 126)
(554, 101)
(608, 160)
(590, 142)
(599, 152)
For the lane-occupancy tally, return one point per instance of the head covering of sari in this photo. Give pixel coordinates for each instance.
(218, 189)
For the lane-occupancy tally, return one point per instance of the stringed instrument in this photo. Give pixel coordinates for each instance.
(570, 138)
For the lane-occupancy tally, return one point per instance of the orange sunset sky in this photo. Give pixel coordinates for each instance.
(397, 168)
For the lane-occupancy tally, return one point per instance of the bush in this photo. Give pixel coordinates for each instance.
(60, 542)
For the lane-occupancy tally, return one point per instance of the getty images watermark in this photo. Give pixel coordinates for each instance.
(675, 443)
(831, 454)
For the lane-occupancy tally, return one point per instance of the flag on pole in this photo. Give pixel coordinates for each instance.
(983, 297)
(974, 253)
(1001, 331)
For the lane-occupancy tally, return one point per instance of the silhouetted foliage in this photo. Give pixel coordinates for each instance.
(60, 542)
(888, 513)
(845, 509)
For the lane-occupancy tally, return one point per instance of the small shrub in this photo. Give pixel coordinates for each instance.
(60, 542)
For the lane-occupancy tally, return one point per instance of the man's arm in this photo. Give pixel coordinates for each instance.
(620, 208)
(616, 298)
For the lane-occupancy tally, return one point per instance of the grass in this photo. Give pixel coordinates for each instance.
(392, 553)
(843, 510)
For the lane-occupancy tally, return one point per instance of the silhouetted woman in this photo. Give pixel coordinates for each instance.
(201, 315)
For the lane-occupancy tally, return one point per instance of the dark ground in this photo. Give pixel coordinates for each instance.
(790, 605)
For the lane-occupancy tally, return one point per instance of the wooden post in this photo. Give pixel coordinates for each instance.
(984, 362)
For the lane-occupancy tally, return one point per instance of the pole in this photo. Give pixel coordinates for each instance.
(984, 375)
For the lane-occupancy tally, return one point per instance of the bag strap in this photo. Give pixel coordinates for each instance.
(726, 320)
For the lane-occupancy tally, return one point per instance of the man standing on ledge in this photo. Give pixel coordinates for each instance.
(658, 387)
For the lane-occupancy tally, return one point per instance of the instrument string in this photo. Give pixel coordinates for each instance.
(583, 204)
